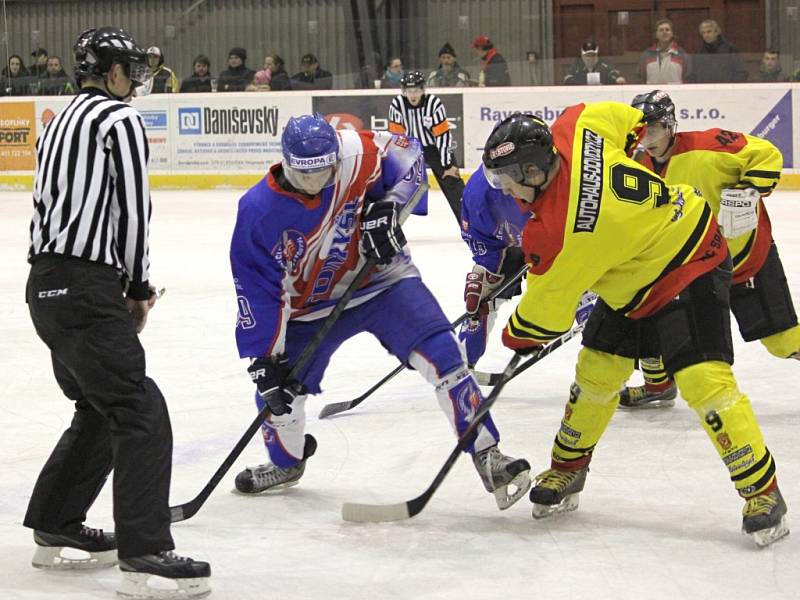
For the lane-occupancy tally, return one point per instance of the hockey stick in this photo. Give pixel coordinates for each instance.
(379, 513)
(339, 407)
(189, 509)
(492, 379)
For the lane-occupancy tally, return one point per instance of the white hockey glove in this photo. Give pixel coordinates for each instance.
(738, 211)
(479, 284)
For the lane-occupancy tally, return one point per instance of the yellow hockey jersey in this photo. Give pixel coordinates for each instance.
(716, 159)
(607, 224)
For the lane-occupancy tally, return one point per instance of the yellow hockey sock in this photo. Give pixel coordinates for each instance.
(783, 344)
(711, 391)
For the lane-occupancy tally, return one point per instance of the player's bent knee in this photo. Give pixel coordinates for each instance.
(438, 357)
(783, 344)
(707, 385)
(600, 375)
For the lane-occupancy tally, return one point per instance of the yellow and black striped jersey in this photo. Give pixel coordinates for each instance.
(607, 224)
(716, 159)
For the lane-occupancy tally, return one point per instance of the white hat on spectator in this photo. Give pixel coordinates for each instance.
(154, 50)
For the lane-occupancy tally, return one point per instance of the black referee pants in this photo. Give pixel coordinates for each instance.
(453, 187)
(121, 419)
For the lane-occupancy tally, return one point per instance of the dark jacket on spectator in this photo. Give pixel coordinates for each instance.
(455, 77)
(495, 69)
(280, 81)
(194, 83)
(21, 84)
(37, 70)
(718, 63)
(578, 73)
(235, 80)
(319, 80)
(56, 85)
(771, 76)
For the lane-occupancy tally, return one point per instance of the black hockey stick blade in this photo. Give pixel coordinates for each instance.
(339, 407)
(189, 509)
(492, 379)
(380, 513)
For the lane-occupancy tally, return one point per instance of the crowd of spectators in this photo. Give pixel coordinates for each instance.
(665, 62)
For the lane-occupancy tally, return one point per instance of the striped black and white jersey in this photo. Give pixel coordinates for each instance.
(427, 122)
(91, 195)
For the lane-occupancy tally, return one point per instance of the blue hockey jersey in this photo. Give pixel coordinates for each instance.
(491, 221)
(292, 257)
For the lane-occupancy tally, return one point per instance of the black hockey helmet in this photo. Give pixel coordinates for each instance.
(96, 50)
(657, 107)
(412, 79)
(518, 142)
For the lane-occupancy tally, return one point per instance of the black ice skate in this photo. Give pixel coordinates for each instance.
(557, 491)
(642, 397)
(506, 477)
(101, 549)
(181, 577)
(269, 478)
(764, 517)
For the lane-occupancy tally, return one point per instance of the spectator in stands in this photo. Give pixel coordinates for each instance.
(770, 69)
(200, 80)
(311, 75)
(494, 69)
(55, 81)
(237, 76)
(449, 73)
(16, 79)
(280, 78)
(718, 60)
(534, 71)
(370, 72)
(393, 74)
(162, 77)
(590, 70)
(39, 65)
(664, 61)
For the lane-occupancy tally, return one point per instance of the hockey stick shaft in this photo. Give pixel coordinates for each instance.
(491, 379)
(378, 513)
(339, 407)
(189, 509)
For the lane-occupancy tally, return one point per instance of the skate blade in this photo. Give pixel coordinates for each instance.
(647, 405)
(568, 504)
(268, 491)
(519, 486)
(144, 586)
(765, 537)
(50, 557)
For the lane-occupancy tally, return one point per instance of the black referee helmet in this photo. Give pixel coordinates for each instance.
(412, 79)
(96, 50)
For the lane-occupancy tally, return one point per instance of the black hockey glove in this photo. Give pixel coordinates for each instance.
(270, 376)
(381, 235)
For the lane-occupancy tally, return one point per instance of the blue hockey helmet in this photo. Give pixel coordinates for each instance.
(310, 150)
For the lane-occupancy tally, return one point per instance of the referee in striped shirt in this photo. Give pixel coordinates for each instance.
(419, 115)
(89, 296)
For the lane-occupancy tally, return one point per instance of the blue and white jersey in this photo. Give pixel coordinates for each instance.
(491, 221)
(293, 257)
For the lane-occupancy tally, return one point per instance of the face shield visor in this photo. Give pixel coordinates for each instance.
(138, 73)
(310, 174)
(505, 177)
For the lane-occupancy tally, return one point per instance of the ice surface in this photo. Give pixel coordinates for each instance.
(658, 519)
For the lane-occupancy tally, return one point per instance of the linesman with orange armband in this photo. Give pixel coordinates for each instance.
(733, 171)
(418, 114)
(656, 258)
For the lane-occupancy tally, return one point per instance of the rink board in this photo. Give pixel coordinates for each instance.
(212, 141)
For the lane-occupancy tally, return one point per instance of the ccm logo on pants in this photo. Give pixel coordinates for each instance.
(53, 293)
